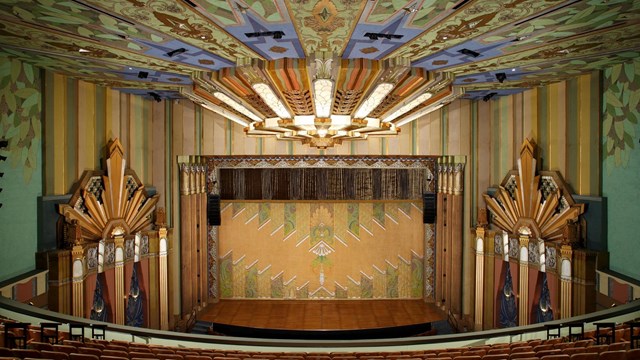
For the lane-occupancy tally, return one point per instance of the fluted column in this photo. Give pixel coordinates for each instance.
(566, 253)
(119, 280)
(523, 282)
(186, 279)
(457, 239)
(202, 236)
(479, 293)
(449, 236)
(77, 256)
(164, 278)
(440, 284)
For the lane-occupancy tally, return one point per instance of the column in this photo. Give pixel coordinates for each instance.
(193, 240)
(456, 210)
(440, 235)
(479, 293)
(449, 236)
(523, 280)
(566, 253)
(77, 292)
(164, 278)
(202, 244)
(119, 280)
(186, 278)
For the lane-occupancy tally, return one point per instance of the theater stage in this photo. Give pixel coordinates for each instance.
(321, 319)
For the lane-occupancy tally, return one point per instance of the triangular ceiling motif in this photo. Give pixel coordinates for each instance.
(536, 205)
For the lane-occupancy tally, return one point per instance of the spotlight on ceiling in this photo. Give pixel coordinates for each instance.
(143, 74)
(501, 77)
(155, 96)
(175, 52)
(468, 52)
(275, 34)
(376, 36)
(489, 96)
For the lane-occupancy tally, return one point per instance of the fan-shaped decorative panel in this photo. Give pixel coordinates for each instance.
(110, 204)
(540, 203)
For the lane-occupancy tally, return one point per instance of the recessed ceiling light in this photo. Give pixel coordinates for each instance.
(83, 50)
(513, 69)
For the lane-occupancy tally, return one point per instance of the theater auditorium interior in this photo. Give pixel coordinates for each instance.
(319, 179)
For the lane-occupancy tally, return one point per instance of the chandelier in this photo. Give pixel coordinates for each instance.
(324, 100)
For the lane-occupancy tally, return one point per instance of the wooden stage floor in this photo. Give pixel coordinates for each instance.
(304, 315)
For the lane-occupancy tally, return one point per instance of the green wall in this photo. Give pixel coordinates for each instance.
(20, 124)
(621, 165)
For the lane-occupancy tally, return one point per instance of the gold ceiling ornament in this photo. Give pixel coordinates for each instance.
(323, 100)
(110, 203)
(538, 205)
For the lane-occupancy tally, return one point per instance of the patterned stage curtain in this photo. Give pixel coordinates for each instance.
(322, 184)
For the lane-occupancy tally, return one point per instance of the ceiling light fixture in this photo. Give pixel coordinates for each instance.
(373, 100)
(270, 98)
(236, 106)
(408, 106)
(323, 97)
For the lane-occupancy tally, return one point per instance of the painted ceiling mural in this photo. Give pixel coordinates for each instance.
(262, 62)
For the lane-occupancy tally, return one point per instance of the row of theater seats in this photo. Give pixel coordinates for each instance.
(61, 347)
(555, 349)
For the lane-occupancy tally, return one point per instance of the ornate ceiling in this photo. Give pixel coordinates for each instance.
(314, 69)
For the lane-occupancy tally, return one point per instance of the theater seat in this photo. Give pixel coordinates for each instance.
(613, 355)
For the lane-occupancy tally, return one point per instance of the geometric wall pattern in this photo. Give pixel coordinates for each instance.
(322, 250)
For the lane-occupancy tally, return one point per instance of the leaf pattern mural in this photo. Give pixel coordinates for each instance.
(20, 107)
(620, 113)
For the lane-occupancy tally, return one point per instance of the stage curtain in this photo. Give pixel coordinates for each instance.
(322, 184)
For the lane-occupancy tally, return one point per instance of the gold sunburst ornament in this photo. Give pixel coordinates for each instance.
(539, 205)
(110, 204)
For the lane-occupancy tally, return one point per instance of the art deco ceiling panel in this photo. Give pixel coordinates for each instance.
(283, 67)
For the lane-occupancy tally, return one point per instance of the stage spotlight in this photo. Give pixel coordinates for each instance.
(469, 52)
(489, 96)
(501, 77)
(371, 36)
(155, 96)
(143, 74)
(277, 35)
(175, 52)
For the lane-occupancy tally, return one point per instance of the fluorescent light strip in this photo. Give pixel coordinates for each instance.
(373, 100)
(236, 106)
(224, 112)
(323, 97)
(418, 114)
(410, 105)
(271, 100)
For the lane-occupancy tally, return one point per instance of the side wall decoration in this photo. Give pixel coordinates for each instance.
(106, 245)
(539, 243)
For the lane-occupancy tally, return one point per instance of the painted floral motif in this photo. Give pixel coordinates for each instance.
(621, 113)
(20, 107)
